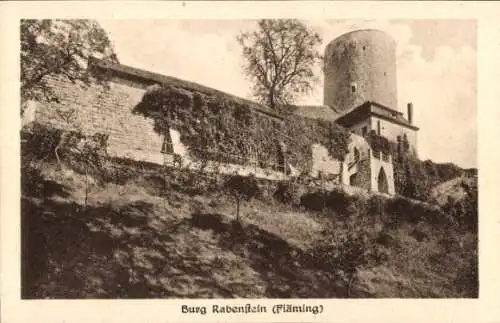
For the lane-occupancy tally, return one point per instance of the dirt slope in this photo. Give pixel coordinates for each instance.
(130, 242)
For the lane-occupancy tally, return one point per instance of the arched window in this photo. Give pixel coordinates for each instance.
(356, 154)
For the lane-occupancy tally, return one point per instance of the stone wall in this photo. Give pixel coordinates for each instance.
(359, 174)
(358, 128)
(392, 130)
(376, 164)
(104, 110)
(362, 178)
(108, 109)
(323, 162)
(98, 109)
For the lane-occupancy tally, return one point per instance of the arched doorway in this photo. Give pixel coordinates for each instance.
(352, 179)
(383, 186)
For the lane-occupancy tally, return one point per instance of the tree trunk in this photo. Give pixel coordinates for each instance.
(272, 103)
(237, 209)
(351, 280)
(86, 186)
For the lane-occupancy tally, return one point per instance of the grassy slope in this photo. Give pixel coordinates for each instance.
(132, 243)
(452, 188)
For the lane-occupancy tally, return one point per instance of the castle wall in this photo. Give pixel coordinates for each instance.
(323, 162)
(108, 111)
(357, 173)
(360, 66)
(362, 177)
(376, 164)
(392, 130)
(358, 128)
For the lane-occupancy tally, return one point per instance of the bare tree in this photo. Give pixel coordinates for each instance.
(279, 58)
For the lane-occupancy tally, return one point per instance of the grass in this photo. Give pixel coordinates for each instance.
(137, 240)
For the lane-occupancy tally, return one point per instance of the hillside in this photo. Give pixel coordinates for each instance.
(146, 235)
(456, 189)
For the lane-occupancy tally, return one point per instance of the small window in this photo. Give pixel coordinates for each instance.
(364, 131)
(364, 47)
(385, 73)
(353, 87)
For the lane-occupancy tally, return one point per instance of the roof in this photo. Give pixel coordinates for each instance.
(352, 116)
(150, 78)
(322, 112)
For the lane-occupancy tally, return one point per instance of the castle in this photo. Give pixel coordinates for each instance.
(360, 94)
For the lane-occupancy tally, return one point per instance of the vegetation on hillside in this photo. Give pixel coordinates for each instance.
(146, 231)
(94, 226)
(413, 177)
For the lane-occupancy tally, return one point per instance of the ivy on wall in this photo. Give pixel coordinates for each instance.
(378, 143)
(216, 128)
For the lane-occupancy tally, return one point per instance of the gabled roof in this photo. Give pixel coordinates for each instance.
(150, 78)
(369, 108)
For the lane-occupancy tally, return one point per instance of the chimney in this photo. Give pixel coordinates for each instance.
(410, 113)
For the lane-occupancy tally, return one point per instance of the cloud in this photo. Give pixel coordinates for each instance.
(443, 91)
(443, 88)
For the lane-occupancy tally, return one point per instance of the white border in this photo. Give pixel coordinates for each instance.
(483, 310)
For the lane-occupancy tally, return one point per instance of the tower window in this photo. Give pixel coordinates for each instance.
(364, 47)
(353, 87)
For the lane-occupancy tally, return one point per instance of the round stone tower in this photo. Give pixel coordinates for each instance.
(360, 66)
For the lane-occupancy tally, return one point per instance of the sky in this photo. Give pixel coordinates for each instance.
(436, 66)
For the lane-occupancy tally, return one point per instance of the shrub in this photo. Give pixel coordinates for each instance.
(377, 206)
(283, 192)
(345, 204)
(242, 188)
(347, 252)
(404, 209)
(40, 142)
(314, 201)
(378, 143)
